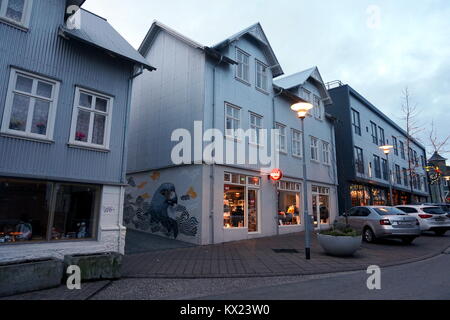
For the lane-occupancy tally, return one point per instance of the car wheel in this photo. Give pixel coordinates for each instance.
(369, 236)
(440, 233)
(408, 240)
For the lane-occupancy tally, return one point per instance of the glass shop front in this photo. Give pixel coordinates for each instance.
(321, 206)
(289, 203)
(43, 211)
(241, 202)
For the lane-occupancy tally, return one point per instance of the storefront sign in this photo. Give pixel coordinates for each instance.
(276, 175)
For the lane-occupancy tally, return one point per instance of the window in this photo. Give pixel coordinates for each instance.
(416, 159)
(27, 213)
(282, 146)
(306, 95)
(374, 133)
(376, 163)
(382, 137)
(402, 150)
(241, 202)
(314, 149)
(398, 174)
(385, 169)
(261, 76)
(317, 107)
(91, 121)
(414, 181)
(356, 122)
(325, 152)
(359, 160)
(255, 126)
(297, 143)
(288, 203)
(232, 120)
(422, 161)
(243, 66)
(16, 11)
(30, 106)
(405, 177)
(395, 143)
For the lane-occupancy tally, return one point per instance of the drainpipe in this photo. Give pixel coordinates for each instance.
(213, 166)
(277, 224)
(125, 149)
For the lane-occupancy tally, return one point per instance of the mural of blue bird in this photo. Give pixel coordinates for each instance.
(164, 198)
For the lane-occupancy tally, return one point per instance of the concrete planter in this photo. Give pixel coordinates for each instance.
(24, 276)
(339, 246)
(96, 266)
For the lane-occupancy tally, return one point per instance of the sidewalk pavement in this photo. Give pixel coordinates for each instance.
(158, 274)
(256, 258)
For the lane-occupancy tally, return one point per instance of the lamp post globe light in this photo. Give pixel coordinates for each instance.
(387, 149)
(302, 109)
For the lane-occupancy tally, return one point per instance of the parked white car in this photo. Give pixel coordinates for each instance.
(431, 218)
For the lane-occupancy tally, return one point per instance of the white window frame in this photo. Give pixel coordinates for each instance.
(242, 66)
(295, 141)
(317, 102)
(238, 119)
(26, 14)
(306, 94)
(281, 135)
(326, 153)
(108, 114)
(314, 149)
(33, 96)
(255, 129)
(264, 76)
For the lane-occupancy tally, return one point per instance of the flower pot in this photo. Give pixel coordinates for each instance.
(339, 246)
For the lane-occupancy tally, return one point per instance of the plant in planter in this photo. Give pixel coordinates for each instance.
(341, 240)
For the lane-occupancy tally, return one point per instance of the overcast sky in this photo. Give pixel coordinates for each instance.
(377, 47)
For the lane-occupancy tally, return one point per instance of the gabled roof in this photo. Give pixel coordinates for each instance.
(96, 31)
(157, 27)
(300, 78)
(257, 33)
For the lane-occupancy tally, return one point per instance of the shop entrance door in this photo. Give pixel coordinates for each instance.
(321, 207)
(252, 201)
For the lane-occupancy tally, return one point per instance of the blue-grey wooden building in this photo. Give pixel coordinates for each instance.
(231, 86)
(65, 85)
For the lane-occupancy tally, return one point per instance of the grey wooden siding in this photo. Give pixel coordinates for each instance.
(42, 51)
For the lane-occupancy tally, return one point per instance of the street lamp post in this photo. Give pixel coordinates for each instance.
(302, 109)
(387, 149)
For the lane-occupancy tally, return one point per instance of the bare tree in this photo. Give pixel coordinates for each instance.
(436, 144)
(410, 115)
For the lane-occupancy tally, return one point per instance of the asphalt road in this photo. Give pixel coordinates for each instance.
(425, 280)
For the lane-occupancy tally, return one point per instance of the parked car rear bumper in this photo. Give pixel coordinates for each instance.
(399, 233)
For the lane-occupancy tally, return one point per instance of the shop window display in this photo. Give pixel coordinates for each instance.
(241, 201)
(42, 211)
(288, 203)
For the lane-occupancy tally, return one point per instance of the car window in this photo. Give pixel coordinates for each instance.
(383, 211)
(433, 210)
(407, 209)
(364, 212)
(352, 212)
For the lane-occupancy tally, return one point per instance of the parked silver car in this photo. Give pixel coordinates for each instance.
(431, 218)
(377, 222)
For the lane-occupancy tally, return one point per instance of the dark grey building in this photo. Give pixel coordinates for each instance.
(363, 169)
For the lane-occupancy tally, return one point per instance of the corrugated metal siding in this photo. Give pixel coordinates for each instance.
(42, 51)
